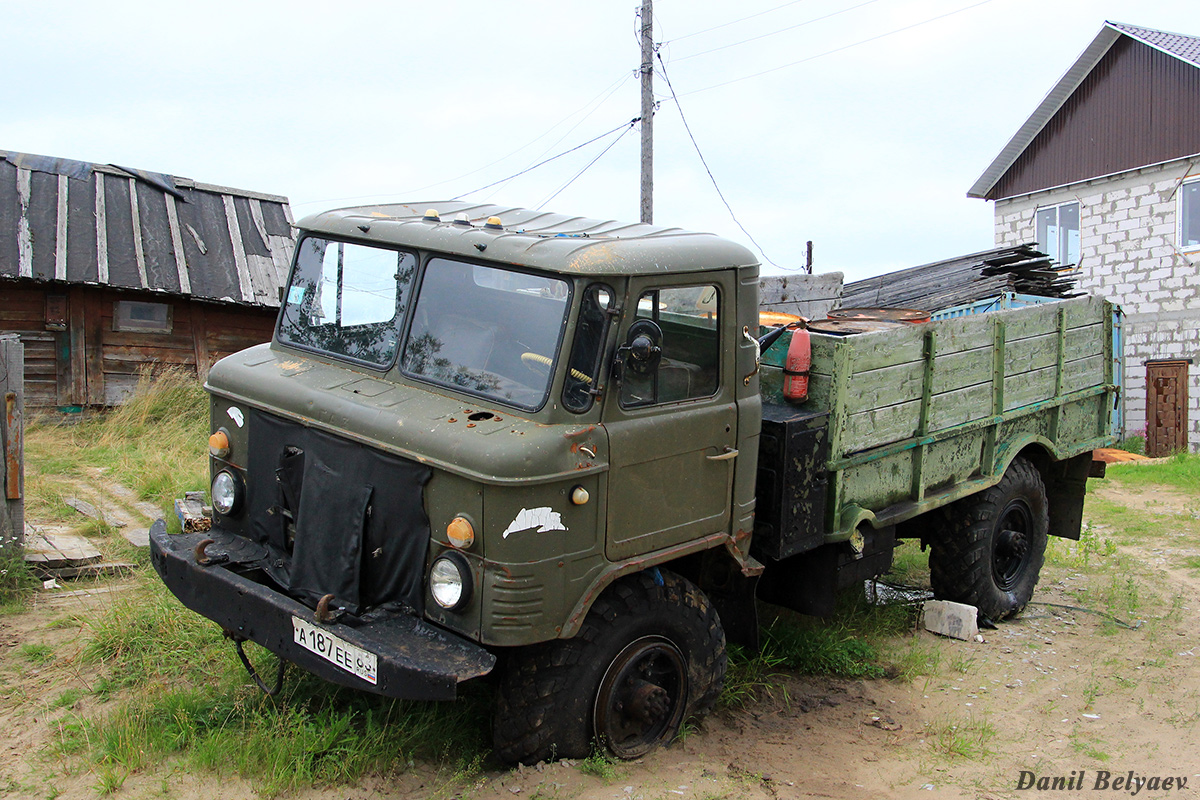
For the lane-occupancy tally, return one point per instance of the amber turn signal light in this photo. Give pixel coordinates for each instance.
(218, 444)
(461, 533)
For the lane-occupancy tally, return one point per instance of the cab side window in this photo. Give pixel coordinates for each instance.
(579, 388)
(689, 317)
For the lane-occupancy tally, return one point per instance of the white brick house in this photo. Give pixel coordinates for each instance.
(1106, 175)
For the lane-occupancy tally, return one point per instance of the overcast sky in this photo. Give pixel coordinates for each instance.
(858, 124)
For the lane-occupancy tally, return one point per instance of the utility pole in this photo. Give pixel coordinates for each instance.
(647, 73)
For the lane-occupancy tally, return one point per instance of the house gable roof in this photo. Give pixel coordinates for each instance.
(76, 222)
(1182, 48)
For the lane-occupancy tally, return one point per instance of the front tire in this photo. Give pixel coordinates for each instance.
(649, 655)
(990, 552)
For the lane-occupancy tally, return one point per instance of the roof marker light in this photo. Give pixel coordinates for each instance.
(432, 215)
(461, 218)
(494, 224)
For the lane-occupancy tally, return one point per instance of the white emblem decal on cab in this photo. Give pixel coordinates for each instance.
(236, 415)
(544, 519)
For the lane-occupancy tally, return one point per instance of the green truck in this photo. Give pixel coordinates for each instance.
(565, 453)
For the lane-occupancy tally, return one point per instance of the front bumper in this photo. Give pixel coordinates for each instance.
(415, 660)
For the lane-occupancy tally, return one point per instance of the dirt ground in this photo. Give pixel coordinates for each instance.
(1055, 693)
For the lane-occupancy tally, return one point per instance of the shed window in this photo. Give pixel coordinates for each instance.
(1058, 233)
(131, 315)
(1189, 216)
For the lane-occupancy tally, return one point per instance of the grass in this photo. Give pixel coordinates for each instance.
(37, 654)
(17, 582)
(856, 642)
(1180, 471)
(1133, 444)
(970, 738)
(599, 764)
(177, 690)
(1089, 748)
(156, 444)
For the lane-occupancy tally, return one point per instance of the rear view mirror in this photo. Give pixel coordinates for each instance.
(642, 350)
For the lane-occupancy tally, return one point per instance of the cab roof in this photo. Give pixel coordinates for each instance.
(539, 239)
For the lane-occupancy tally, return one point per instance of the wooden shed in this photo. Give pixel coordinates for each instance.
(106, 271)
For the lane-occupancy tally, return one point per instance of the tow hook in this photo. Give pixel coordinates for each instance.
(323, 614)
(204, 559)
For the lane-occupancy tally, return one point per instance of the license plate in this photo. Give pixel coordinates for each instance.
(335, 650)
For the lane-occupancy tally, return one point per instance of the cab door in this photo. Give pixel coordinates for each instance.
(672, 428)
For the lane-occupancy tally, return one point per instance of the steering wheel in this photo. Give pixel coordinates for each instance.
(541, 365)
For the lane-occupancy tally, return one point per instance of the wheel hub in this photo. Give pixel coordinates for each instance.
(641, 699)
(1011, 545)
(647, 701)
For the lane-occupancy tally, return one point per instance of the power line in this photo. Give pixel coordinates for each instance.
(602, 98)
(626, 125)
(733, 22)
(611, 90)
(774, 33)
(586, 168)
(688, 128)
(839, 49)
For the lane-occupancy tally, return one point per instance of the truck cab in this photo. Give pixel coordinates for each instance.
(471, 422)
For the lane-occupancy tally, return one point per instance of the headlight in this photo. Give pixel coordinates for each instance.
(226, 492)
(450, 581)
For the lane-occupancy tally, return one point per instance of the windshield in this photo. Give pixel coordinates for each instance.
(483, 330)
(347, 299)
(487, 331)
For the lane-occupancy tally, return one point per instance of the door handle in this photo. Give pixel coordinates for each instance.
(728, 454)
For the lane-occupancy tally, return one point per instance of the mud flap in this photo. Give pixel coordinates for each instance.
(826, 570)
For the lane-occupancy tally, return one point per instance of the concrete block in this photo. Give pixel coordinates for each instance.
(957, 620)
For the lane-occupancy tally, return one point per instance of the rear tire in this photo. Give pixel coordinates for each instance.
(649, 655)
(991, 550)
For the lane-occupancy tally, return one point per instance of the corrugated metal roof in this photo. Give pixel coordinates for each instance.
(1175, 44)
(1185, 48)
(77, 222)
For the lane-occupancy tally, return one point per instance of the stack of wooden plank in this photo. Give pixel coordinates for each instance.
(957, 281)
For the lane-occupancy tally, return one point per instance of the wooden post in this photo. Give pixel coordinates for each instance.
(12, 430)
(647, 74)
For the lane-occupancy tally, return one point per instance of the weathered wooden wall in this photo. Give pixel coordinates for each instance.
(91, 364)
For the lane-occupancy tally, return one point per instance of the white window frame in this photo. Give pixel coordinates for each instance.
(1180, 216)
(1063, 251)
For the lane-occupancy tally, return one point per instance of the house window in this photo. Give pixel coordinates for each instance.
(130, 315)
(1058, 232)
(1189, 216)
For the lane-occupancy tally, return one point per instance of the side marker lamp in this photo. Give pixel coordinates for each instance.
(461, 533)
(218, 444)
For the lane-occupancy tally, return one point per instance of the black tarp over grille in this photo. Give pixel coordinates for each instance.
(361, 529)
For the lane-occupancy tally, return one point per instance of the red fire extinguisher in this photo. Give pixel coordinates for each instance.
(797, 365)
